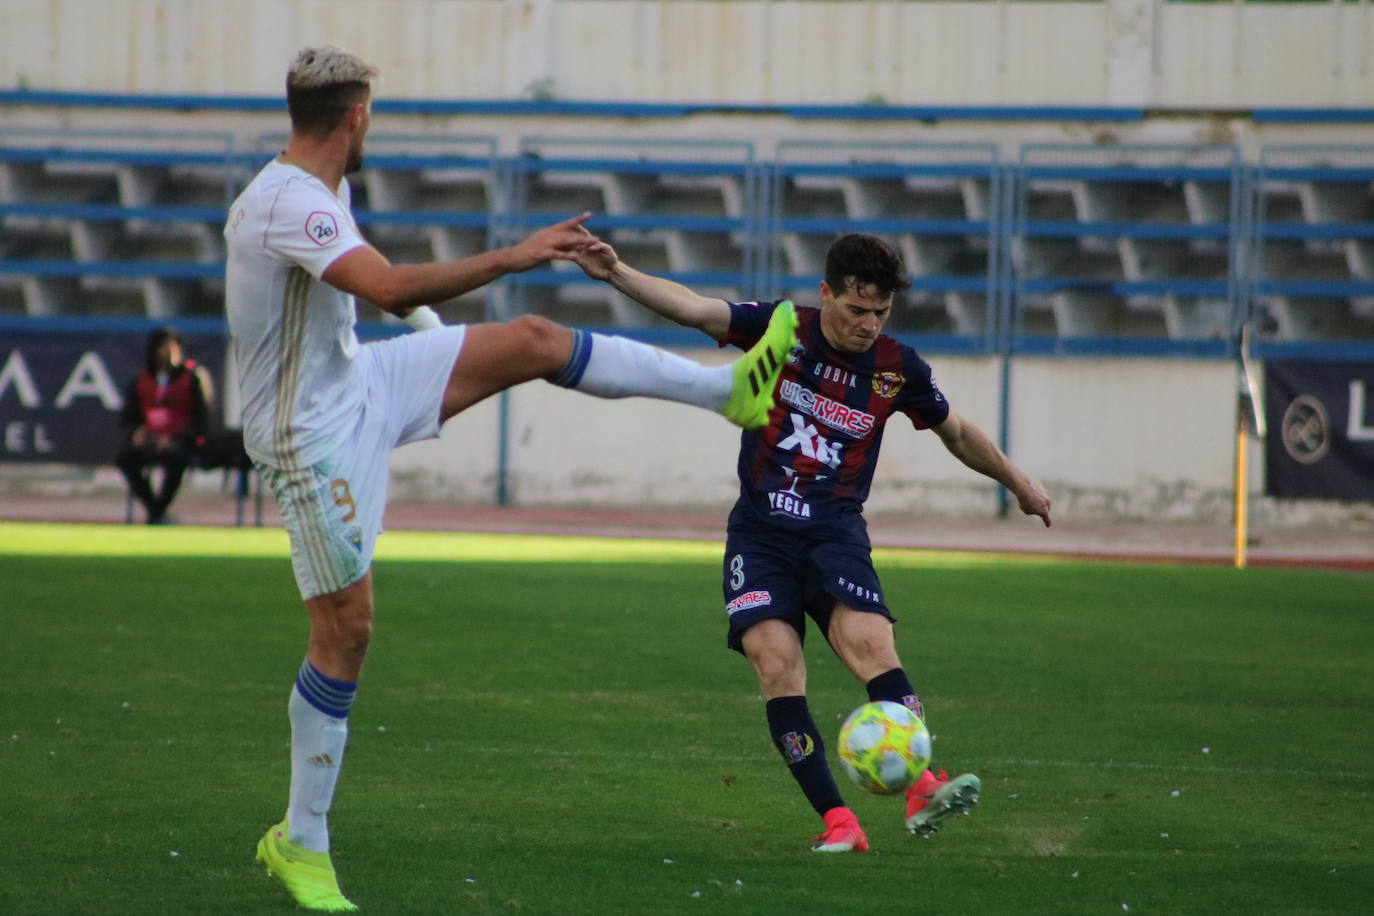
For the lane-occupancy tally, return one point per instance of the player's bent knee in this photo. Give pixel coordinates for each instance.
(543, 343)
(864, 641)
(872, 646)
(779, 674)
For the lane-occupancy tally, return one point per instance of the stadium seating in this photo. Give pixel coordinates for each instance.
(684, 209)
(1125, 242)
(1060, 247)
(113, 224)
(938, 204)
(1312, 242)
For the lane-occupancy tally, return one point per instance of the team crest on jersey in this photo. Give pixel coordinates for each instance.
(887, 384)
(795, 354)
(796, 747)
(321, 227)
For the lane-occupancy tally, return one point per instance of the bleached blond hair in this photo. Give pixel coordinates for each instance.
(322, 84)
(316, 68)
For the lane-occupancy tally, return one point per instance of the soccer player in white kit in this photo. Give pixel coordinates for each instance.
(322, 413)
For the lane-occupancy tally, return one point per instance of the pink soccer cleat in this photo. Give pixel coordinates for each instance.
(934, 799)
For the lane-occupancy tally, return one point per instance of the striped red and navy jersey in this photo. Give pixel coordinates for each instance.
(814, 460)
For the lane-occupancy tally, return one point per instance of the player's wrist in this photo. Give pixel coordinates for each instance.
(512, 260)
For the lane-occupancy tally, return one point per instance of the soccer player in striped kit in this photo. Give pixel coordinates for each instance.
(796, 542)
(322, 412)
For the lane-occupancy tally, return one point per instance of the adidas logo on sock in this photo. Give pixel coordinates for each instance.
(322, 760)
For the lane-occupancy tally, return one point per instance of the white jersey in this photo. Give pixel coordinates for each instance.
(292, 334)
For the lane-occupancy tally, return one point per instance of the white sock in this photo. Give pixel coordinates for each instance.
(617, 367)
(317, 750)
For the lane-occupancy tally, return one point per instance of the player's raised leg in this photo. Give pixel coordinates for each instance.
(755, 374)
(498, 356)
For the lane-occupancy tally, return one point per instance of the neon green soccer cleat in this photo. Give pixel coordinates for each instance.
(757, 371)
(308, 876)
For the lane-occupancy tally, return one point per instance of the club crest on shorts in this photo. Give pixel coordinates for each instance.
(887, 384)
(796, 747)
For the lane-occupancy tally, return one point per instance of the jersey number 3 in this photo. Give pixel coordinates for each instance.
(736, 572)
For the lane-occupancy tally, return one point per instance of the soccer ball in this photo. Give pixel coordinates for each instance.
(884, 747)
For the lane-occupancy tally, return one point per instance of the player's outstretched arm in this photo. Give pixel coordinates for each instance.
(397, 288)
(667, 297)
(970, 445)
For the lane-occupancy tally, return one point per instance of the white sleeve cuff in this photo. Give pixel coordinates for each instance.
(423, 318)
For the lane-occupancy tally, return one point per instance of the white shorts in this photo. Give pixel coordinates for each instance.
(333, 509)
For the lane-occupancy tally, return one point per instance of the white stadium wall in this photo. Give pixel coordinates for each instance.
(1112, 438)
(1144, 53)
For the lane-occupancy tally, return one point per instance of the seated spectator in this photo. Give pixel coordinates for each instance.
(164, 420)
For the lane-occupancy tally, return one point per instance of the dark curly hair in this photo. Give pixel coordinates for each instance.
(860, 260)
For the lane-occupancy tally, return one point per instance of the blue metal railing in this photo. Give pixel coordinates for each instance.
(1099, 178)
(1238, 235)
(849, 164)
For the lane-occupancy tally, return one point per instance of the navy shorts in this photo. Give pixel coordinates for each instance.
(773, 573)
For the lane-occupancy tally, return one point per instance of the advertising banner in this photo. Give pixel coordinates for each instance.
(61, 392)
(1320, 442)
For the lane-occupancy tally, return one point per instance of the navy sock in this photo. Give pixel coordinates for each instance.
(799, 741)
(894, 687)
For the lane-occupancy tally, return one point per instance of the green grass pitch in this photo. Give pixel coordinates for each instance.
(554, 726)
